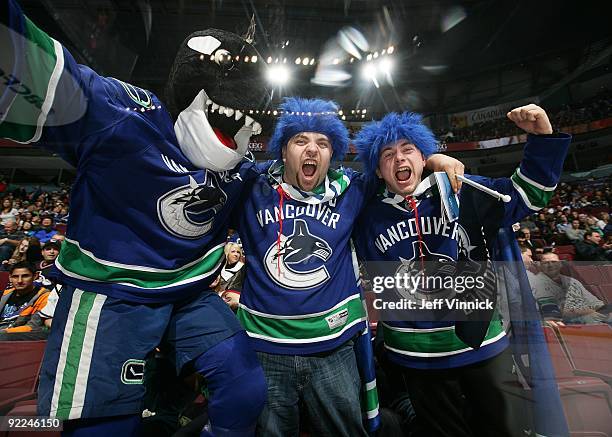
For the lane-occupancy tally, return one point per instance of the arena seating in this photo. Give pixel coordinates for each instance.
(588, 348)
(566, 253)
(19, 368)
(587, 400)
(4, 280)
(596, 278)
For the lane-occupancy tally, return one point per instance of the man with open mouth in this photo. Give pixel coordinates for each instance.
(154, 189)
(445, 371)
(300, 302)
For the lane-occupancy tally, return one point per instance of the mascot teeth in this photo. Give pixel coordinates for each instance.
(211, 107)
(256, 128)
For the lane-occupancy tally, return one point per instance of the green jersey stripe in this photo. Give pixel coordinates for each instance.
(73, 354)
(371, 399)
(74, 262)
(436, 342)
(61, 364)
(306, 330)
(534, 197)
(84, 364)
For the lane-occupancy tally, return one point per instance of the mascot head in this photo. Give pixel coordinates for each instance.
(210, 93)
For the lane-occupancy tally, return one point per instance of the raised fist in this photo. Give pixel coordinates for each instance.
(532, 119)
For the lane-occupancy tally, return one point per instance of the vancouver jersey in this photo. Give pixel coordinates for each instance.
(301, 294)
(387, 231)
(145, 225)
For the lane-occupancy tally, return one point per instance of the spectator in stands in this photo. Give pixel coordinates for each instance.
(563, 224)
(19, 304)
(524, 238)
(36, 223)
(46, 232)
(27, 250)
(229, 282)
(8, 212)
(575, 233)
(604, 222)
(26, 228)
(592, 225)
(50, 251)
(529, 224)
(576, 303)
(589, 249)
(9, 240)
(527, 256)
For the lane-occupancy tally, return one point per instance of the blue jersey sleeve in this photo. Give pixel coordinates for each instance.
(49, 99)
(533, 183)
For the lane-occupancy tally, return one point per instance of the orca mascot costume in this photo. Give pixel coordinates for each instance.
(154, 189)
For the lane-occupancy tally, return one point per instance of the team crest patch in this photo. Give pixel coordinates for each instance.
(189, 211)
(132, 372)
(299, 264)
(137, 95)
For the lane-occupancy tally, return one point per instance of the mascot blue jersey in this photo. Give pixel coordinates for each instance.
(301, 294)
(145, 225)
(386, 231)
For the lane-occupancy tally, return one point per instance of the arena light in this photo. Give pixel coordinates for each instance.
(390, 49)
(253, 59)
(278, 75)
(312, 61)
(385, 65)
(269, 60)
(305, 61)
(369, 73)
(298, 61)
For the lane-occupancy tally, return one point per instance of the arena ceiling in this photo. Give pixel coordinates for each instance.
(448, 55)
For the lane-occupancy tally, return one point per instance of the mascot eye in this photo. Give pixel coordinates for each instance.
(223, 58)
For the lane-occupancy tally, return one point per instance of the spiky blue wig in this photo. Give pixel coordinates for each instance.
(309, 115)
(373, 136)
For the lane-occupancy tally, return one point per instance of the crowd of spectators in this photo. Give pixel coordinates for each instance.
(574, 227)
(578, 214)
(30, 220)
(597, 108)
(32, 229)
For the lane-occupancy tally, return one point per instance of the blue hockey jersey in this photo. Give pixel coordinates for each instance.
(145, 224)
(301, 294)
(387, 231)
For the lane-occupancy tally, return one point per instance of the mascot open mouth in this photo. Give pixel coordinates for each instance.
(226, 122)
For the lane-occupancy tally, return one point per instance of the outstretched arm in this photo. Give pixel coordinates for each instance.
(534, 181)
(47, 98)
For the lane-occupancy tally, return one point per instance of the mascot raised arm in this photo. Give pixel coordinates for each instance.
(154, 188)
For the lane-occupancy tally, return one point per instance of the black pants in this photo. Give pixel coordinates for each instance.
(482, 399)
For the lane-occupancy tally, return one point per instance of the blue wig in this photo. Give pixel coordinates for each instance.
(309, 115)
(375, 135)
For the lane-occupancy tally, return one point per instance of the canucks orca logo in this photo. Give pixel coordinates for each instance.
(189, 211)
(292, 265)
(425, 283)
